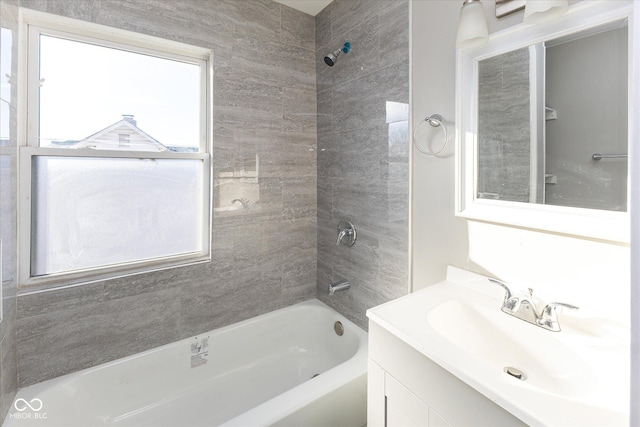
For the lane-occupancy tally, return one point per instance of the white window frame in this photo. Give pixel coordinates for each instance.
(32, 25)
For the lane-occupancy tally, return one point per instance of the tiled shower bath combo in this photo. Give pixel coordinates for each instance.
(287, 131)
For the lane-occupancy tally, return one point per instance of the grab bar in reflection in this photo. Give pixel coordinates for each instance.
(598, 156)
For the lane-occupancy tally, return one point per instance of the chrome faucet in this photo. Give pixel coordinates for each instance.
(340, 285)
(524, 308)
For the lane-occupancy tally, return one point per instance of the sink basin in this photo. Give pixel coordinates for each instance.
(576, 377)
(499, 340)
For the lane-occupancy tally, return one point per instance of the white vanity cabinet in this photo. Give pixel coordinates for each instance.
(406, 389)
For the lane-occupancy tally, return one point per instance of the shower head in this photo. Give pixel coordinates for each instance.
(331, 58)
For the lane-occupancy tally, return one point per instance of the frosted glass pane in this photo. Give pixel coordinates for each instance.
(91, 212)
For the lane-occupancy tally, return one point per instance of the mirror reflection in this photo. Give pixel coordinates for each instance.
(552, 122)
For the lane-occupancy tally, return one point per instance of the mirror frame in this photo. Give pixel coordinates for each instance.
(592, 223)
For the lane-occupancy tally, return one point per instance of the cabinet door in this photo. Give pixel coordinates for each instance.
(404, 409)
(375, 395)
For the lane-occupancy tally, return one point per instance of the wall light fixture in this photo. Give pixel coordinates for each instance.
(541, 11)
(472, 27)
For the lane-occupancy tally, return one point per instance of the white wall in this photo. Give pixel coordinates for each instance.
(579, 271)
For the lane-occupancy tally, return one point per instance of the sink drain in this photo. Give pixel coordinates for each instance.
(515, 372)
(338, 328)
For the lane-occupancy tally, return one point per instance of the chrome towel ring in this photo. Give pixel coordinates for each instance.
(434, 120)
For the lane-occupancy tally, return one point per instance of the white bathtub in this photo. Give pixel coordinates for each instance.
(253, 373)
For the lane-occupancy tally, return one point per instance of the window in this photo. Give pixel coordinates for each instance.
(124, 141)
(115, 168)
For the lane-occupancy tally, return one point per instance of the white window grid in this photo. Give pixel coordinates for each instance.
(32, 25)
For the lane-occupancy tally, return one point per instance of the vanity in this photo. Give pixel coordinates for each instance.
(535, 153)
(449, 356)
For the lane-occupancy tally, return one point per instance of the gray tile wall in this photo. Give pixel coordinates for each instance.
(504, 130)
(264, 258)
(8, 349)
(363, 152)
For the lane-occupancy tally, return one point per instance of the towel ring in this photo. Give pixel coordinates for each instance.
(434, 120)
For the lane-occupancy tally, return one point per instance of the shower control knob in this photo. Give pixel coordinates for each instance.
(346, 233)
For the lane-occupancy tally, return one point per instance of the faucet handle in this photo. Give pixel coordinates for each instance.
(550, 308)
(342, 234)
(549, 317)
(508, 293)
(348, 230)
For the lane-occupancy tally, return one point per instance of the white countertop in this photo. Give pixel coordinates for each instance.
(576, 377)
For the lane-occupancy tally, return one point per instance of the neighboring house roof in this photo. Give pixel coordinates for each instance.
(122, 135)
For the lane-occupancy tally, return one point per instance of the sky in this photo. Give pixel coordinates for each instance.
(85, 88)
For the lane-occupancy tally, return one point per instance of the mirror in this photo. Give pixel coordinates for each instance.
(577, 86)
(542, 117)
